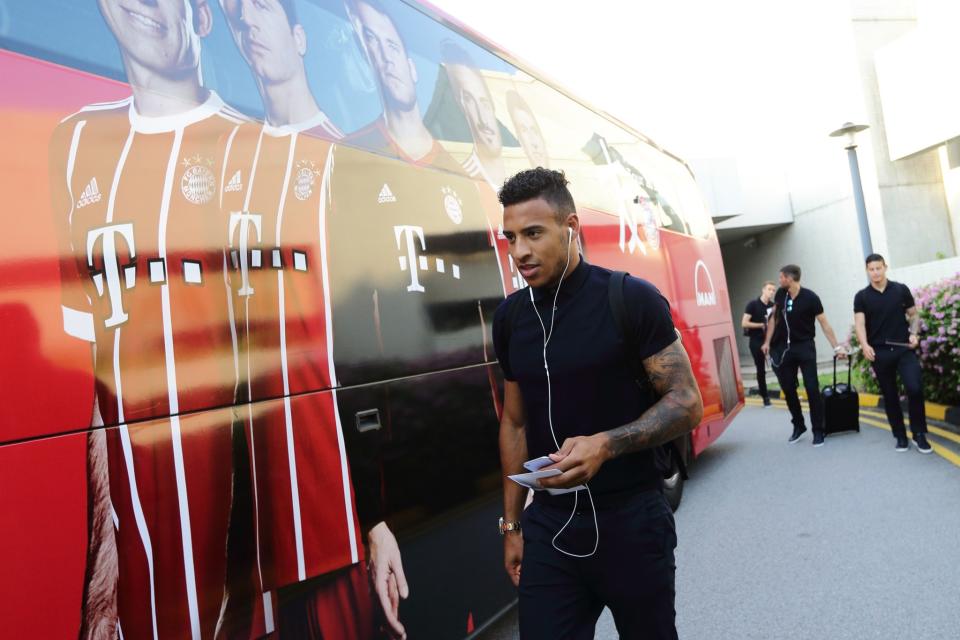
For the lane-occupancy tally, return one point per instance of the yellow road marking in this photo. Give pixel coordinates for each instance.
(943, 433)
(937, 431)
(940, 450)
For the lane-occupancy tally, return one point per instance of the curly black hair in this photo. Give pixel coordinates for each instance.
(547, 184)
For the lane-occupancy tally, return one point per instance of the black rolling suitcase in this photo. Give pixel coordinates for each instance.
(841, 404)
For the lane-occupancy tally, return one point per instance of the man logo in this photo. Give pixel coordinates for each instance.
(706, 295)
(198, 183)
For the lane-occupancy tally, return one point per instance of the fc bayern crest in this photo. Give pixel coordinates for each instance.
(452, 205)
(198, 183)
(306, 174)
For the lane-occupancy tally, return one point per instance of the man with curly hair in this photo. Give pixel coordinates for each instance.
(604, 535)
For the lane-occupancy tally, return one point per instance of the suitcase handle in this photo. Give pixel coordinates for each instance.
(849, 372)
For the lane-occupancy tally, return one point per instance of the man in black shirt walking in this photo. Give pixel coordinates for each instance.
(880, 312)
(754, 324)
(790, 344)
(571, 394)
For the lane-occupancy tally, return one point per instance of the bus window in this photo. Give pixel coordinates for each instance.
(657, 184)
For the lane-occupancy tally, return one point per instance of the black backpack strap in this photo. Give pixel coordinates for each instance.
(617, 305)
(618, 308)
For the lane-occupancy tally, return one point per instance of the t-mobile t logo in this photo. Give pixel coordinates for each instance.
(110, 272)
(409, 236)
(242, 220)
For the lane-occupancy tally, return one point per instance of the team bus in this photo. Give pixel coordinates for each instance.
(250, 257)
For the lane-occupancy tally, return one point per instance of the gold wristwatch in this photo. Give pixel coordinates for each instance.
(506, 526)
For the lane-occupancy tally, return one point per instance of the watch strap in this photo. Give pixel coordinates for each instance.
(508, 525)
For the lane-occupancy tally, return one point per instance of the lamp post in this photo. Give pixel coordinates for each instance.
(850, 131)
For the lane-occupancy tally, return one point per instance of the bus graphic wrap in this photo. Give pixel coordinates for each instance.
(251, 257)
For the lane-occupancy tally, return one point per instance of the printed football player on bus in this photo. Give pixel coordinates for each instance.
(134, 187)
(474, 98)
(274, 202)
(399, 131)
(428, 214)
(528, 131)
(485, 164)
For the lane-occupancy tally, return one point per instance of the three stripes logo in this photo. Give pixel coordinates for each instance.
(90, 195)
(386, 195)
(235, 184)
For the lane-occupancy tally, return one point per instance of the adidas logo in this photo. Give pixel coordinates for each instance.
(234, 184)
(386, 195)
(90, 195)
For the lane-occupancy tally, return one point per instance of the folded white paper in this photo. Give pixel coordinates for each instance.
(531, 480)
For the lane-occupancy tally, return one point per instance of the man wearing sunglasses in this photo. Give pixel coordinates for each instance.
(791, 347)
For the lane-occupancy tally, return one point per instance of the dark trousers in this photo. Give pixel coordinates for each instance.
(632, 572)
(889, 362)
(800, 356)
(760, 361)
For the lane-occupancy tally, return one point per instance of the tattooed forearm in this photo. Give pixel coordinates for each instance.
(677, 412)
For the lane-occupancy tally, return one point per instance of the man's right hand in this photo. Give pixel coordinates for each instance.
(513, 555)
(868, 352)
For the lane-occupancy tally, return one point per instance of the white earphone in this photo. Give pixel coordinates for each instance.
(546, 340)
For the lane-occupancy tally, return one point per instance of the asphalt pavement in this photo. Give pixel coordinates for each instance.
(849, 541)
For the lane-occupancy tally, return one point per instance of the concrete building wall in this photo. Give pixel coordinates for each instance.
(951, 186)
(912, 194)
(913, 205)
(824, 242)
(926, 273)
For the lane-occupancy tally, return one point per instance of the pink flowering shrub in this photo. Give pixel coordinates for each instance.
(939, 352)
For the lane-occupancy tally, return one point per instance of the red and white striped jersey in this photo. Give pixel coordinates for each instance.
(143, 279)
(274, 200)
(376, 137)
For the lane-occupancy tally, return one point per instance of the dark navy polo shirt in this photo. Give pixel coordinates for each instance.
(795, 316)
(885, 312)
(593, 387)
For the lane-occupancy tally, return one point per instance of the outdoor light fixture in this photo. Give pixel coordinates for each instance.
(849, 131)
